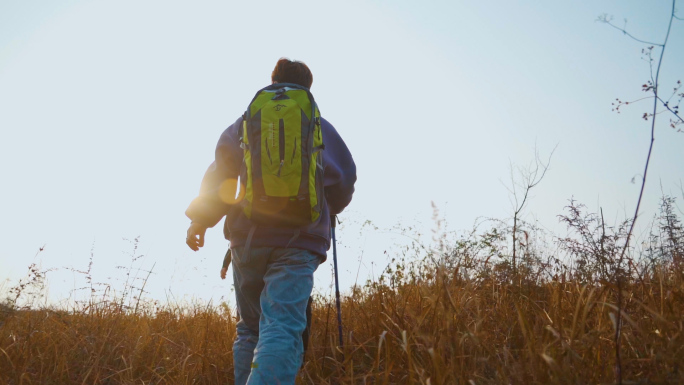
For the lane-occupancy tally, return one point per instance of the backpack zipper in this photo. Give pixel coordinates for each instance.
(281, 140)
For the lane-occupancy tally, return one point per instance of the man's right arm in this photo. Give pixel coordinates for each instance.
(218, 188)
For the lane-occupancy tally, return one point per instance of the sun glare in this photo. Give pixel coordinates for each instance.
(230, 192)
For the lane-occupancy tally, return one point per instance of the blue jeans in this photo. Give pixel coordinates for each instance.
(272, 288)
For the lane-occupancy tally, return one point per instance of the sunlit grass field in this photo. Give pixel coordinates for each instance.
(456, 312)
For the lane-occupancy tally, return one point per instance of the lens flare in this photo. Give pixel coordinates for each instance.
(231, 191)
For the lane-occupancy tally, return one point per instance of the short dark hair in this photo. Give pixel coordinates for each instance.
(292, 71)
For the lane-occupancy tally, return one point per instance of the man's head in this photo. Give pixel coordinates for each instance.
(288, 71)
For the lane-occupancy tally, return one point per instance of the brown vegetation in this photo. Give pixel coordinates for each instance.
(456, 313)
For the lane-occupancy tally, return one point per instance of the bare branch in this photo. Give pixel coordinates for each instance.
(654, 88)
(608, 20)
(675, 90)
(650, 149)
(675, 113)
(618, 328)
(528, 178)
(647, 56)
(531, 177)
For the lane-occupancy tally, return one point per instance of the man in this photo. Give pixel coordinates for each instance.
(273, 267)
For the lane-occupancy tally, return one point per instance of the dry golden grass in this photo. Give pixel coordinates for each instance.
(448, 330)
(461, 332)
(456, 313)
(103, 345)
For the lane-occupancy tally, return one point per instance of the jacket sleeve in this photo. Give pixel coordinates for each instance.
(218, 188)
(340, 170)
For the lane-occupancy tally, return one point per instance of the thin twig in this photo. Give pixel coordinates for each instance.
(604, 19)
(665, 104)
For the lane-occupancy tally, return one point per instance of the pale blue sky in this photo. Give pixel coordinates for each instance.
(110, 111)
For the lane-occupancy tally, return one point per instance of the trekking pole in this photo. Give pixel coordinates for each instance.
(333, 220)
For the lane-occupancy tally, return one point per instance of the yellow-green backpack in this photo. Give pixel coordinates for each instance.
(282, 171)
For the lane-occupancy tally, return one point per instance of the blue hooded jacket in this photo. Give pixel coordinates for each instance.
(208, 208)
